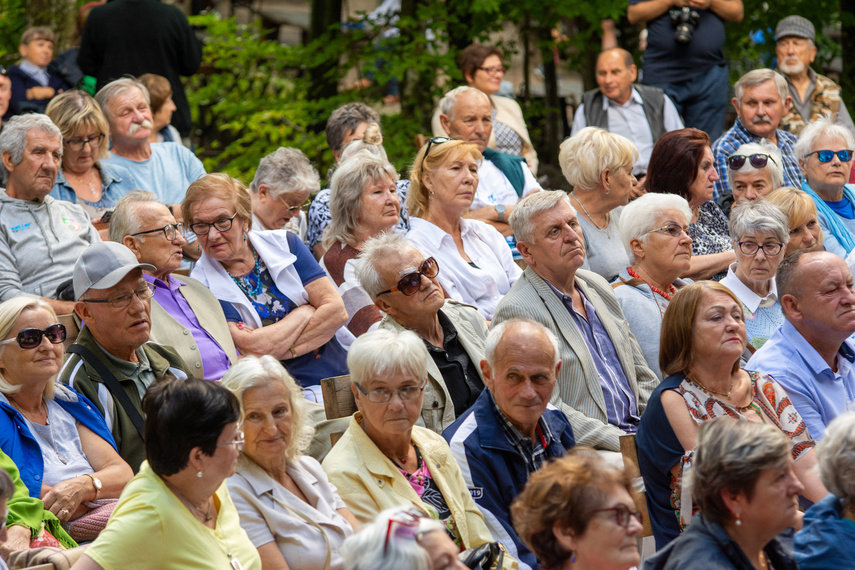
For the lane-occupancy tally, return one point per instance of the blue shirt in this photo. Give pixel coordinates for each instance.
(167, 173)
(116, 181)
(818, 394)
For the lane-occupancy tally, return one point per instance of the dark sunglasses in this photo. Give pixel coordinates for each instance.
(737, 161)
(411, 282)
(31, 338)
(828, 155)
(430, 143)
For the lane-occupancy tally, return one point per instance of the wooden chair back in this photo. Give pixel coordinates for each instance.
(630, 464)
(338, 399)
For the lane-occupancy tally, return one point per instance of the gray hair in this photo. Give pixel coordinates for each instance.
(823, 126)
(729, 455)
(383, 352)
(118, 87)
(346, 186)
(587, 154)
(835, 456)
(286, 171)
(758, 216)
(254, 372)
(365, 550)
(775, 166)
(13, 137)
(787, 280)
(757, 77)
(388, 245)
(125, 221)
(448, 103)
(345, 119)
(530, 207)
(642, 215)
(497, 333)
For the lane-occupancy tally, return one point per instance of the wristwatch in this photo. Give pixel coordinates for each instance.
(500, 211)
(96, 482)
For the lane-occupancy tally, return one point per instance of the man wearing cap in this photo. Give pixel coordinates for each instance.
(111, 362)
(812, 94)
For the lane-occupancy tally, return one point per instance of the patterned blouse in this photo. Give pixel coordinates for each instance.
(713, 234)
(507, 139)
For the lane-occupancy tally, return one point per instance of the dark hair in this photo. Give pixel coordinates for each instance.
(675, 161)
(344, 121)
(473, 56)
(181, 415)
(159, 90)
(786, 277)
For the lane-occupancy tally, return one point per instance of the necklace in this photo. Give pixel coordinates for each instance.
(705, 389)
(605, 223)
(666, 296)
(88, 182)
(52, 441)
(256, 290)
(207, 514)
(401, 461)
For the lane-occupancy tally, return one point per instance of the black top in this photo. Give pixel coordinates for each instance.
(459, 372)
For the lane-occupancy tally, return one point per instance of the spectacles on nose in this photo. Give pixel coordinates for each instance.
(32, 338)
(122, 301)
(383, 395)
(493, 70)
(737, 161)
(675, 230)
(169, 231)
(292, 209)
(238, 442)
(204, 228)
(412, 282)
(828, 155)
(750, 248)
(622, 515)
(430, 143)
(78, 144)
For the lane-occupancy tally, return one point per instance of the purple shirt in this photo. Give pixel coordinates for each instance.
(215, 361)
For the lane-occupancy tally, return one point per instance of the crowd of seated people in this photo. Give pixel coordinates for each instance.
(704, 315)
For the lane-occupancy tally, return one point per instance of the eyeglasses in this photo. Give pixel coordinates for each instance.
(238, 442)
(622, 515)
(222, 225)
(122, 301)
(493, 70)
(31, 338)
(675, 230)
(411, 282)
(431, 142)
(828, 155)
(750, 248)
(404, 524)
(737, 161)
(78, 144)
(292, 209)
(169, 231)
(383, 395)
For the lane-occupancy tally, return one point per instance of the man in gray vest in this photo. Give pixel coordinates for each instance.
(639, 112)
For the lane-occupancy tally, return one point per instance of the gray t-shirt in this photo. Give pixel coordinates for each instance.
(60, 443)
(604, 251)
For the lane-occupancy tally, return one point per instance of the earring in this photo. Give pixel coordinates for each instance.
(573, 557)
(607, 191)
(738, 521)
(244, 237)
(198, 248)
(199, 474)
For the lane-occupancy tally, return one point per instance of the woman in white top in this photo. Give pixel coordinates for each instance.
(477, 264)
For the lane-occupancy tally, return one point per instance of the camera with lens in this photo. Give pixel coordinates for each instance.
(684, 20)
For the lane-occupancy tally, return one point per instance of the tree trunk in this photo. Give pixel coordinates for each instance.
(847, 41)
(58, 15)
(326, 14)
(416, 100)
(552, 124)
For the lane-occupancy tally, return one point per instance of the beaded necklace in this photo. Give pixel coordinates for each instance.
(663, 294)
(256, 270)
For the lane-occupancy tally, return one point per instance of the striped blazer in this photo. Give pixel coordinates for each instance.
(578, 392)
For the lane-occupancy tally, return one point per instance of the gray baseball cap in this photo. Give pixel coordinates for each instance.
(795, 26)
(102, 265)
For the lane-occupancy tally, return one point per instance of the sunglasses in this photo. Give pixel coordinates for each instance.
(737, 161)
(430, 143)
(411, 282)
(31, 338)
(828, 155)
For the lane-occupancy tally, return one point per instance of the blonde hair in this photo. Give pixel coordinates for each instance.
(10, 312)
(75, 110)
(796, 204)
(218, 185)
(587, 154)
(448, 151)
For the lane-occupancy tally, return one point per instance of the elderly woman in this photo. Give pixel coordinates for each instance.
(578, 512)
(825, 152)
(413, 465)
(399, 538)
(657, 236)
(828, 535)
(753, 171)
(805, 231)
(83, 178)
(746, 489)
(598, 164)
(162, 107)
(177, 512)
(483, 68)
(66, 453)
(682, 163)
(287, 506)
(282, 184)
(277, 299)
(478, 267)
(364, 203)
(703, 337)
(404, 285)
(759, 231)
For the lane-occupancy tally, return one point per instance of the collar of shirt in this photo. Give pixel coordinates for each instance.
(634, 98)
(130, 369)
(793, 338)
(749, 298)
(40, 74)
(516, 437)
(171, 284)
(567, 300)
(449, 333)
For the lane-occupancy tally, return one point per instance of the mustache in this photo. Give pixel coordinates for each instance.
(132, 130)
(761, 119)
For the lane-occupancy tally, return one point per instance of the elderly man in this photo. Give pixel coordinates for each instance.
(761, 101)
(283, 182)
(511, 431)
(165, 169)
(638, 112)
(404, 286)
(604, 382)
(811, 354)
(812, 94)
(111, 362)
(184, 314)
(40, 238)
(467, 115)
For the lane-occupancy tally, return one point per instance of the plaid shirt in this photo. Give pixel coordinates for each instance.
(534, 452)
(737, 136)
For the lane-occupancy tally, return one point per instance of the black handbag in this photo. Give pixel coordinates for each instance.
(486, 556)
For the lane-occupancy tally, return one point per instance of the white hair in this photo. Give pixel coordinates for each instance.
(587, 154)
(449, 102)
(383, 352)
(380, 248)
(757, 77)
(758, 216)
(825, 126)
(497, 333)
(286, 171)
(368, 550)
(774, 166)
(530, 207)
(642, 215)
(835, 456)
